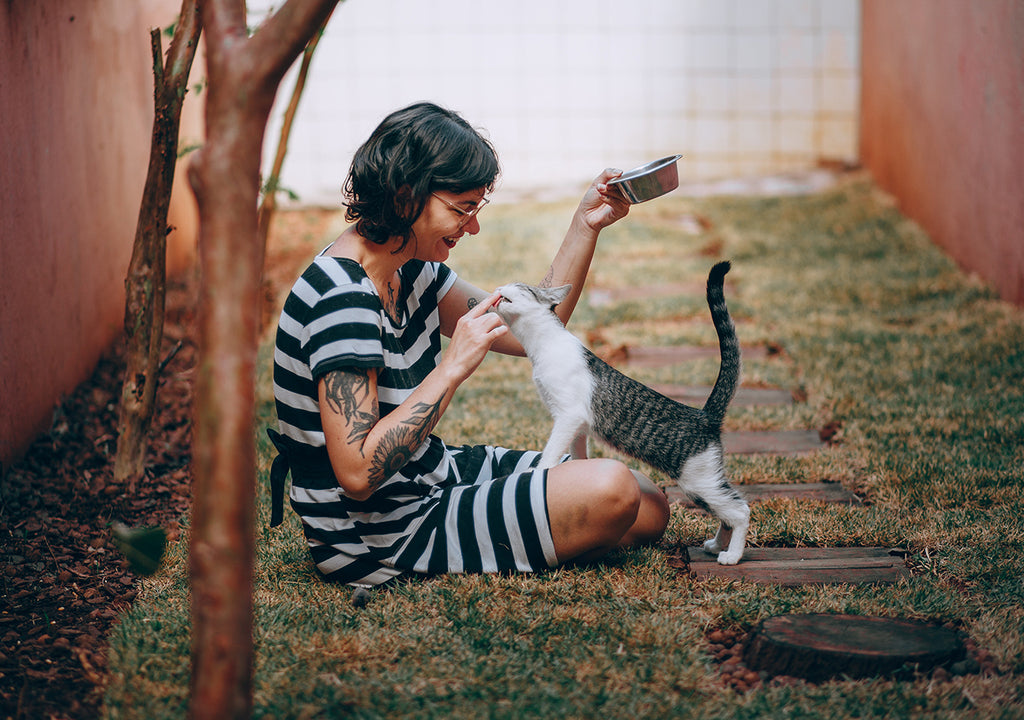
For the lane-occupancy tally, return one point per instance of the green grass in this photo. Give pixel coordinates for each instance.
(921, 365)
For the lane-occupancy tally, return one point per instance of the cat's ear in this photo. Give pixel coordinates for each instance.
(556, 295)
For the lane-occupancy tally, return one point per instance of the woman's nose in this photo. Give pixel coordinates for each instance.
(473, 226)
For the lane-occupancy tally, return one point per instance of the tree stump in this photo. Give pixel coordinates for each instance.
(821, 646)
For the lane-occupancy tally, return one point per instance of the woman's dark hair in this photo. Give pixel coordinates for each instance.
(412, 153)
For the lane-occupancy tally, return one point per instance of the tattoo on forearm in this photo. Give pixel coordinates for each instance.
(346, 392)
(472, 303)
(549, 278)
(397, 446)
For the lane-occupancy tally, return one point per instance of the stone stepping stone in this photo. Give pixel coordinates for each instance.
(771, 442)
(746, 396)
(819, 647)
(792, 567)
(758, 492)
(661, 356)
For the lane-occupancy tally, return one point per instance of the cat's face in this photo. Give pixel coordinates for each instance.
(519, 300)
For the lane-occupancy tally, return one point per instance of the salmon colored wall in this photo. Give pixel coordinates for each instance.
(76, 91)
(942, 125)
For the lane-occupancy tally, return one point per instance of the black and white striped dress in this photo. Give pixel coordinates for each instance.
(449, 509)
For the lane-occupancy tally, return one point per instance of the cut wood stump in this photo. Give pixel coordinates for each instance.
(819, 492)
(745, 396)
(800, 566)
(819, 646)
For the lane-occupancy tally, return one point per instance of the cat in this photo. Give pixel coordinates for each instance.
(586, 395)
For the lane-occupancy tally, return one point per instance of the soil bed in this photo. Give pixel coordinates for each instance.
(62, 581)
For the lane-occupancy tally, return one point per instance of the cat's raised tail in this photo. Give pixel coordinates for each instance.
(729, 346)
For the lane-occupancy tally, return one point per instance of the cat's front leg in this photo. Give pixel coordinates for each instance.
(562, 435)
(579, 448)
(549, 458)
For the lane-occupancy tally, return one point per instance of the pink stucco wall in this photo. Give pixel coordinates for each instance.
(942, 125)
(75, 121)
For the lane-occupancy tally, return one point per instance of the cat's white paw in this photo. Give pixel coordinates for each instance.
(729, 558)
(546, 464)
(711, 546)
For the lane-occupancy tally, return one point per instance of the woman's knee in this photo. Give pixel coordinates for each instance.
(593, 505)
(654, 501)
(614, 489)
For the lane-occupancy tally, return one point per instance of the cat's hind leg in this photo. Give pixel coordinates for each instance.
(703, 479)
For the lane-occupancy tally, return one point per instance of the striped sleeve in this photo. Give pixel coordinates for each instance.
(331, 319)
(344, 330)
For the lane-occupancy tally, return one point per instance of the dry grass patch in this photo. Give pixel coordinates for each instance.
(921, 368)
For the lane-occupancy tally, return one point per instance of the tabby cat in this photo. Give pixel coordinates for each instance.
(586, 395)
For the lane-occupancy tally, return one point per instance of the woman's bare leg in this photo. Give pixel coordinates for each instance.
(597, 505)
(653, 515)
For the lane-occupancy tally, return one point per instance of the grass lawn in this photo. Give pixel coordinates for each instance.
(921, 367)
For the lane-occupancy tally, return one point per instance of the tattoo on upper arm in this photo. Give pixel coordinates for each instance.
(345, 392)
(399, 443)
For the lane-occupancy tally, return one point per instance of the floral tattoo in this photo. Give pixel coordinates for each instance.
(345, 392)
(397, 446)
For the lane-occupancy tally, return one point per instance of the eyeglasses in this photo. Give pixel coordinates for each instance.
(467, 215)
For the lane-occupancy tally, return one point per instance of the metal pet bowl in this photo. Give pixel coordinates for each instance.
(649, 181)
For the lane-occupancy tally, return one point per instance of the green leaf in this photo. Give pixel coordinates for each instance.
(144, 547)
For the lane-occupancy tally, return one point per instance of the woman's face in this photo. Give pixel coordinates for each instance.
(446, 218)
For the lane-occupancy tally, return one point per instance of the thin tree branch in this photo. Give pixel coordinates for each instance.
(269, 204)
(156, 46)
(145, 280)
(183, 45)
(275, 45)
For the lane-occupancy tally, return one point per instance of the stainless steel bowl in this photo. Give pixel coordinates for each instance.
(649, 181)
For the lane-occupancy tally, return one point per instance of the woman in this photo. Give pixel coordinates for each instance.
(360, 381)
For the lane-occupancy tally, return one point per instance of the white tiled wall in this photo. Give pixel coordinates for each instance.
(565, 88)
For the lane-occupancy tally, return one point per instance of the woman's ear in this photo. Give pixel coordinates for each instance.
(405, 204)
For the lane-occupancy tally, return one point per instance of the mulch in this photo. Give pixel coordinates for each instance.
(63, 583)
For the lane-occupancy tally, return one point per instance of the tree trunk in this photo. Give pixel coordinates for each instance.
(243, 73)
(271, 186)
(146, 279)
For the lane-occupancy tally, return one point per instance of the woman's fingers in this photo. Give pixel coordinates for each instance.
(484, 305)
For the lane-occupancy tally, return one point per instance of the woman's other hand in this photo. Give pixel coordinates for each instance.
(602, 204)
(474, 334)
